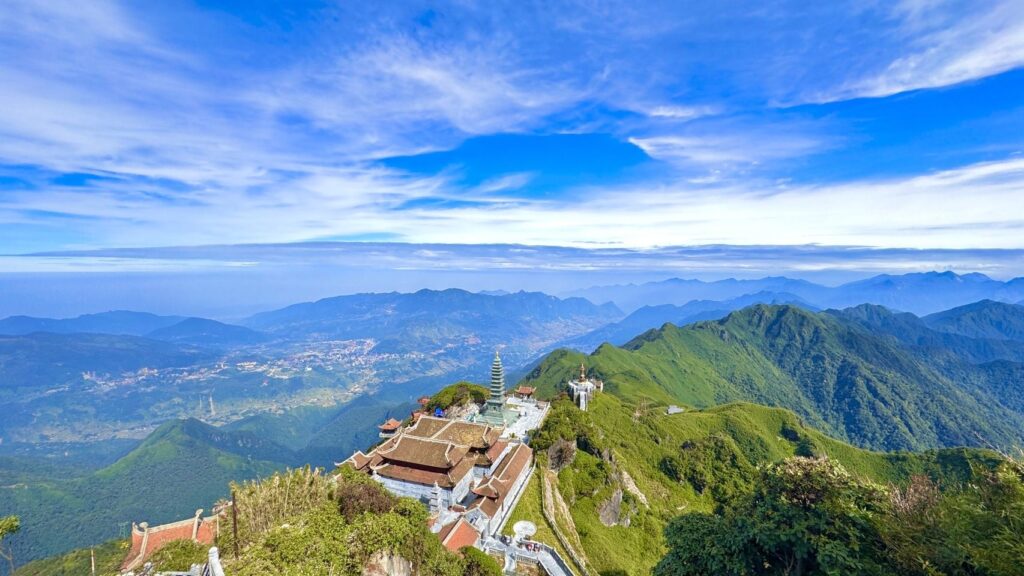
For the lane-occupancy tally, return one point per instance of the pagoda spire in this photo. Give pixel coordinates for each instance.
(497, 380)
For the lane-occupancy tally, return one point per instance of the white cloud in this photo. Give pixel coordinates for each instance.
(944, 44)
(963, 208)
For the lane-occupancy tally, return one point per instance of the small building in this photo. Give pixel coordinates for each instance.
(423, 401)
(458, 534)
(525, 392)
(389, 428)
(582, 389)
(673, 409)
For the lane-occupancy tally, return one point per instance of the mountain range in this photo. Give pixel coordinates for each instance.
(429, 319)
(920, 293)
(648, 317)
(183, 465)
(95, 381)
(843, 377)
(308, 384)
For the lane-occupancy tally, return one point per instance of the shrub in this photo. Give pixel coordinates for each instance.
(264, 504)
(805, 516)
(458, 394)
(478, 563)
(179, 556)
(355, 498)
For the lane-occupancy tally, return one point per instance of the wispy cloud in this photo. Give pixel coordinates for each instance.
(935, 210)
(941, 44)
(241, 138)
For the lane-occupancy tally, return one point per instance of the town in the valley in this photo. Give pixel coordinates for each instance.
(469, 465)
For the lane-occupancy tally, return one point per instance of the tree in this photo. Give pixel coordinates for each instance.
(8, 525)
(805, 517)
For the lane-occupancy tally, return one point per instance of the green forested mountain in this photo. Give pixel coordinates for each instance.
(182, 466)
(460, 322)
(928, 343)
(984, 319)
(115, 322)
(626, 469)
(41, 358)
(206, 332)
(77, 562)
(864, 387)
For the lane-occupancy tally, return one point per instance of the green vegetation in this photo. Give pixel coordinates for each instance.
(303, 522)
(182, 466)
(458, 394)
(478, 563)
(9, 525)
(79, 562)
(804, 516)
(811, 517)
(529, 508)
(984, 319)
(179, 556)
(691, 462)
(838, 376)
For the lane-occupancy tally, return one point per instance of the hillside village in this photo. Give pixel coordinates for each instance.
(468, 465)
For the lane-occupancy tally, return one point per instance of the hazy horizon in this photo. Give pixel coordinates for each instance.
(229, 282)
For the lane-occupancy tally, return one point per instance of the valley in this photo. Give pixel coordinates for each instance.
(154, 429)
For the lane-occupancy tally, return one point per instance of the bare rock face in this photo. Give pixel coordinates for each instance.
(611, 509)
(561, 454)
(387, 564)
(631, 487)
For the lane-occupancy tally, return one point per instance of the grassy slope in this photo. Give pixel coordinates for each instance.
(753, 434)
(836, 375)
(529, 508)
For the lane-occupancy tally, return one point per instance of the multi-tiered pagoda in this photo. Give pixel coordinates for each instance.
(494, 412)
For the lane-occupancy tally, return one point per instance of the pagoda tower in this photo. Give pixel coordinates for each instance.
(497, 382)
(494, 411)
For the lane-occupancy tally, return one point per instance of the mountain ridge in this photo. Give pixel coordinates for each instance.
(843, 379)
(918, 292)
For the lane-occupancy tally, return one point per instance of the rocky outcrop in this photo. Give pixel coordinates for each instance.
(610, 510)
(388, 564)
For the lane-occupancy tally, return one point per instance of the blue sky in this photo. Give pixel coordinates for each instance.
(891, 125)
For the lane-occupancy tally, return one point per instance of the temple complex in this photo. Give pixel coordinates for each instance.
(470, 472)
(461, 470)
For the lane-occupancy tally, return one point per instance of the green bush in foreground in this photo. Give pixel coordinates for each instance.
(478, 563)
(808, 516)
(179, 556)
(340, 525)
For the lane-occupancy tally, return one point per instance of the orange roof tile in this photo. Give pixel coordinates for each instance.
(459, 534)
(390, 425)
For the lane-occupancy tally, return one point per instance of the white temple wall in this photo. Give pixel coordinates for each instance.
(420, 492)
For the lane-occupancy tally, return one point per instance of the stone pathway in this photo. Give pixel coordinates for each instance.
(542, 554)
